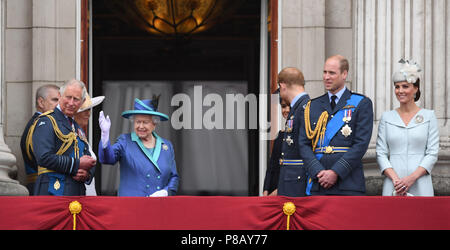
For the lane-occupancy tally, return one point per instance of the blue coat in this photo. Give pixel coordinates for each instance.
(348, 165)
(142, 173)
(405, 148)
(31, 167)
(292, 180)
(63, 167)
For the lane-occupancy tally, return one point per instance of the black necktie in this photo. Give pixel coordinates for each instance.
(333, 102)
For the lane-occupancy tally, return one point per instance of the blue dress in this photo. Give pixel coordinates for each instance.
(142, 172)
(405, 148)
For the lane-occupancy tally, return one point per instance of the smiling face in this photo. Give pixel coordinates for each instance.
(144, 126)
(405, 92)
(71, 100)
(285, 108)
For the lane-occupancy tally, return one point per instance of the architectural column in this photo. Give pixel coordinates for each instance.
(386, 31)
(8, 186)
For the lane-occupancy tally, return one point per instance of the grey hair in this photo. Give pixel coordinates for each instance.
(42, 92)
(156, 119)
(74, 82)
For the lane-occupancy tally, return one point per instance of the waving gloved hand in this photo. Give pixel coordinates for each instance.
(105, 126)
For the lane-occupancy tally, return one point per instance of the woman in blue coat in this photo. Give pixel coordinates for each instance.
(408, 139)
(147, 161)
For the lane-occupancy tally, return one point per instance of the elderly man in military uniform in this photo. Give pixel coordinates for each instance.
(60, 150)
(335, 135)
(292, 180)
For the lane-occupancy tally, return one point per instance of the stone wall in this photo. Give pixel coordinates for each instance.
(40, 48)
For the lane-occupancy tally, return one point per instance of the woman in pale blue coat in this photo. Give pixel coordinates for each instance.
(147, 161)
(408, 139)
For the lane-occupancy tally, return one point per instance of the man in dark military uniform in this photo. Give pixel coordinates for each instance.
(292, 180)
(61, 153)
(47, 97)
(335, 135)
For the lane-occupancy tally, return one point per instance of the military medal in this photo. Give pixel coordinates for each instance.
(289, 140)
(419, 119)
(289, 125)
(347, 115)
(346, 130)
(81, 134)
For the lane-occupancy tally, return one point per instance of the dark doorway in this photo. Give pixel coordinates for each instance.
(228, 52)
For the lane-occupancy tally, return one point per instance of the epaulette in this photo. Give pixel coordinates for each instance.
(353, 93)
(66, 140)
(46, 113)
(314, 99)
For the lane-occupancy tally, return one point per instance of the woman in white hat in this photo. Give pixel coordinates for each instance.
(147, 161)
(82, 118)
(408, 139)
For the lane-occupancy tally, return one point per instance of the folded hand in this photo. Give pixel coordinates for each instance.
(327, 178)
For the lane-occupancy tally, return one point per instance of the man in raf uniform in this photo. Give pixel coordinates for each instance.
(47, 97)
(335, 135)
(292, 180)
(61, 152)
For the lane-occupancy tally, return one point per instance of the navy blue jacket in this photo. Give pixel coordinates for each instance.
(347, 165)
(273, 168)
(292, 180)
(31, 167)
(45, 146)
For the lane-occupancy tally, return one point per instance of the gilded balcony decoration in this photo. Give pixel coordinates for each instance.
(175, 17)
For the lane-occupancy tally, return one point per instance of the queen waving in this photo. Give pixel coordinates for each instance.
(147, 161)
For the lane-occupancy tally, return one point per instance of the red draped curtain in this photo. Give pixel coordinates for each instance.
(225, 213)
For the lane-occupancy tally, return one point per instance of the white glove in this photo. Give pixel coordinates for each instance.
(160, 193)
(105, 125)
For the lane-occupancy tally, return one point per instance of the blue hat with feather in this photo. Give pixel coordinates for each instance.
(145, 107)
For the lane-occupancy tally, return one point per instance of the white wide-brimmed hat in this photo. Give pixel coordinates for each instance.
(91, 102)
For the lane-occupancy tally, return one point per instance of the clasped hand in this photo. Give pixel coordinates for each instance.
(402, 185)
(86, 163)
(327, 178)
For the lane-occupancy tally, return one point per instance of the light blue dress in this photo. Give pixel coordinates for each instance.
(405, 148)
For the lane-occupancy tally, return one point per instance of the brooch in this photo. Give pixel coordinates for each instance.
(56, 185)
(164, 146)
(346, 130)
(419, 119)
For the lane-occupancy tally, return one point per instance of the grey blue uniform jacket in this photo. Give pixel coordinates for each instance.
(292, 180)
(347, 165)
(65, 166)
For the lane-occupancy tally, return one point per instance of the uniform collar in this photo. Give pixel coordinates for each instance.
(338, 94)
(296, 98)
